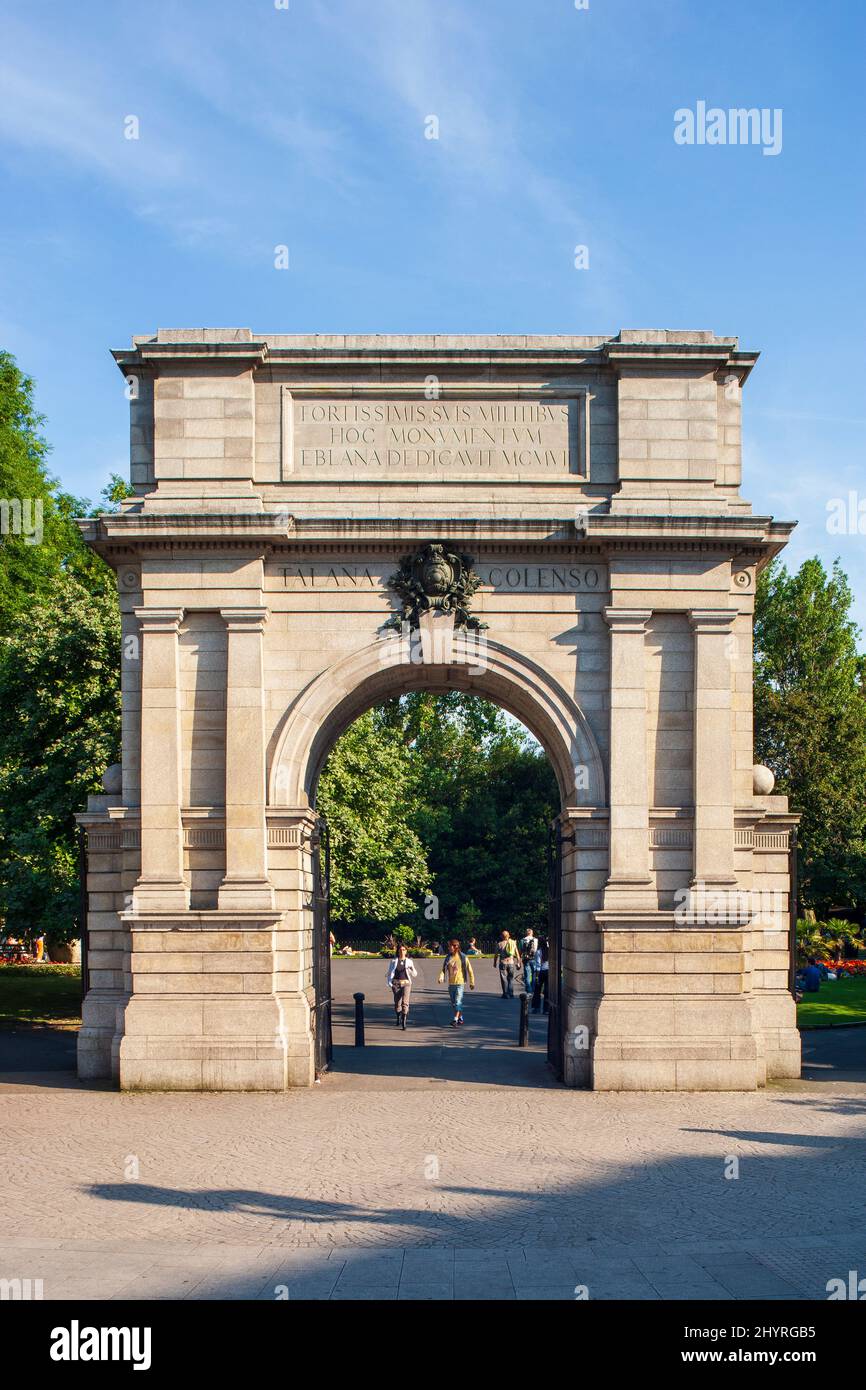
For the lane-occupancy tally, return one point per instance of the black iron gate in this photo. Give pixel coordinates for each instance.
(554, 936)
(793, 910)
(83, 915)
(322, 946)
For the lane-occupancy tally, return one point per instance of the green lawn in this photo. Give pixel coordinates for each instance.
(45, 994)
(837, 1001)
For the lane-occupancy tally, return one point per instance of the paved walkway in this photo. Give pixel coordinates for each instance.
(435, 1176)
(482, 1052)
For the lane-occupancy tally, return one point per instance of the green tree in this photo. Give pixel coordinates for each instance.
(59, 669)
(468, 918)
(485, 796)
(810, 723)
(39, 536)
(378, 865)
(462, 782)
(59, 729)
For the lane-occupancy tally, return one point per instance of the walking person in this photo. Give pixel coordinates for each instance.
(457, 970)
(506, 959)
(401, 973)
(542, 977)
(528, 946)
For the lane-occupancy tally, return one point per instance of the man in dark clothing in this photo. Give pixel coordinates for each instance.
(811, 977)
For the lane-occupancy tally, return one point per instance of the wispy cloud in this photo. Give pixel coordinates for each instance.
(65, 107)
(69, 106)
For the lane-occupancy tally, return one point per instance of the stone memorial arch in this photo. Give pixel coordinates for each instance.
(319, 523)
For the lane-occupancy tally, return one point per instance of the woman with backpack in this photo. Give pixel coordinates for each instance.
(457, 970)
(507, 960)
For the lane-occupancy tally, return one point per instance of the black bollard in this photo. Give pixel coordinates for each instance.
(359, 1020)
(523, 1035)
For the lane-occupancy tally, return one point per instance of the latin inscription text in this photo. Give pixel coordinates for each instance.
(476, 437)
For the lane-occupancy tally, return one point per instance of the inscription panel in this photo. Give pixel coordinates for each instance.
(505, 576)
(468, 440)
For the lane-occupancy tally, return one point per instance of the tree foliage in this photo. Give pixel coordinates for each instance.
(810, 723)
(59, 673)
(378, 866)
(467, 789)
(59, 729)
(30, 562)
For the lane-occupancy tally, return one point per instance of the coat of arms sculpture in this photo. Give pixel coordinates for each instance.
(435, 579)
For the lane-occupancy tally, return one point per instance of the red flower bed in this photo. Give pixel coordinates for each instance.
(851, 967)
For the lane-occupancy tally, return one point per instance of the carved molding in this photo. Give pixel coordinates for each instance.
(590, 837)
(204, 837)
(762, 839)
(670, 837)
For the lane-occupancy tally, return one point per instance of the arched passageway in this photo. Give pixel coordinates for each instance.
(322, 713)
(438, 812)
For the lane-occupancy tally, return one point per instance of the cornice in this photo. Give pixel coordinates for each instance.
(624, 350)
(121, 535)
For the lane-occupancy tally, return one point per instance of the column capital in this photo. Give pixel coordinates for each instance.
(166, 620)
(627, 619)
(719, 620)
(245, 619)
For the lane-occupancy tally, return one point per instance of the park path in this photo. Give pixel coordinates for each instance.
(483, 1052)
(435, 1165)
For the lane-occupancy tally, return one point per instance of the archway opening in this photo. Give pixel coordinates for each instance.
(439, 806)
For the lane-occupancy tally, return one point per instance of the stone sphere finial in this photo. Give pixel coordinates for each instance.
(763, 780)
(112, 779)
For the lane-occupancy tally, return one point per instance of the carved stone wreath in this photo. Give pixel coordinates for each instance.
(434, 579)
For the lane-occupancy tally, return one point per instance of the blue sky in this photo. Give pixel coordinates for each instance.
(305, 126)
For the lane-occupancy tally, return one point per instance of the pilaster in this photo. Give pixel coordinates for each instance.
(629, 883)
(246, 886)
(161, 885)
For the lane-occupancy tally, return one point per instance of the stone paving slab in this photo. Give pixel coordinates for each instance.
(141, 1274)
(370, 1184)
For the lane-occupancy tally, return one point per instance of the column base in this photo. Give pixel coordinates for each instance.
(784, 1055)
(97, 1033)
(687, 1042)
(718, 902)
(160, 895)
(776, 1018)
(660, 1064)
(216, 1043)
(580, 1025)
(628, 892)
(246, 895)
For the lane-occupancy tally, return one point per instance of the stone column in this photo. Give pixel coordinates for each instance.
(629, 879)
(246, 886)
(160, 887)
(713, 748)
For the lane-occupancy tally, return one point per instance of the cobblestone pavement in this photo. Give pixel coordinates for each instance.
(450, 1179)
